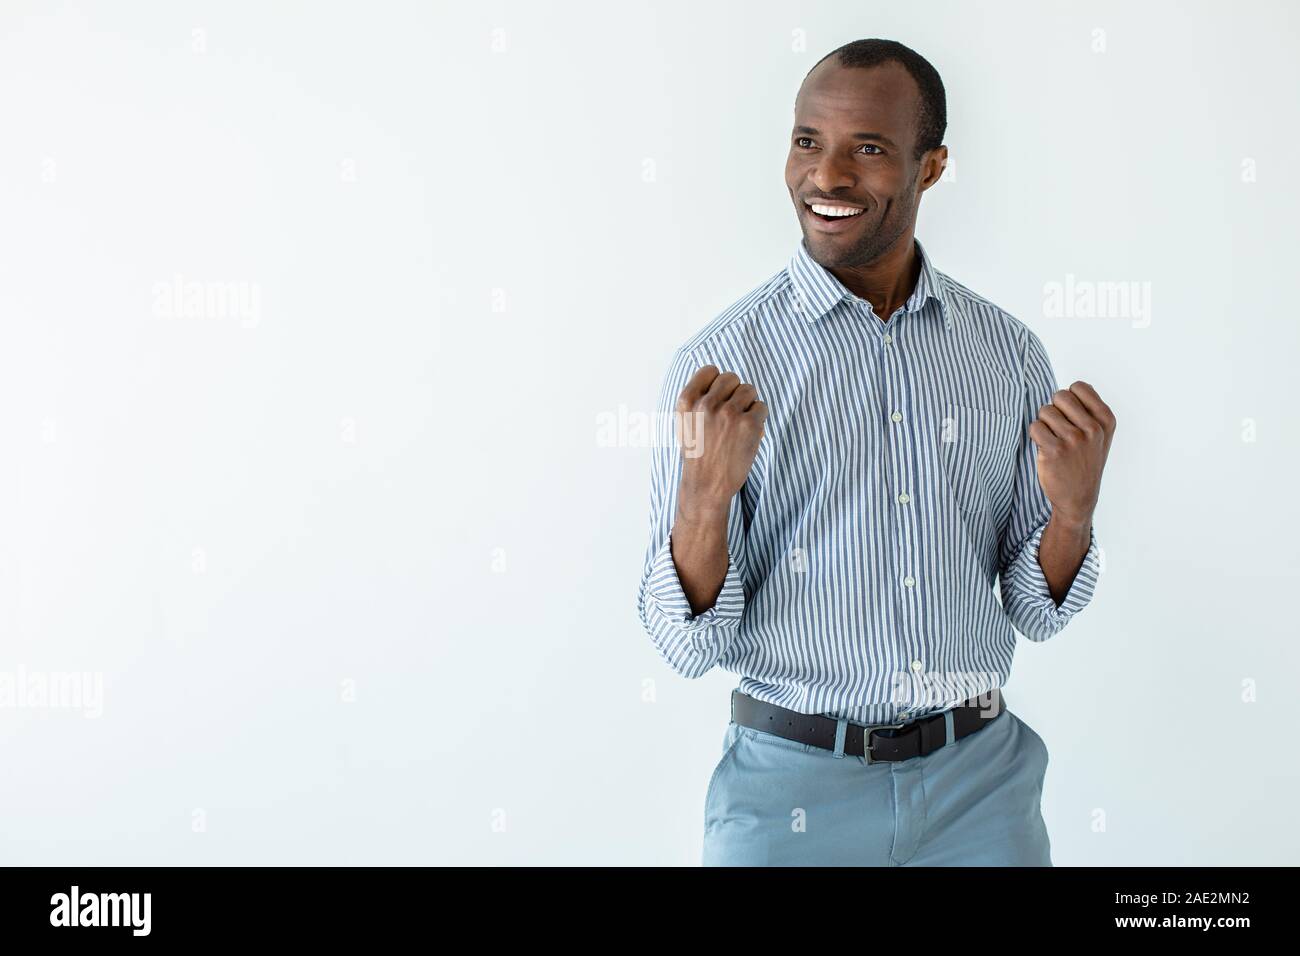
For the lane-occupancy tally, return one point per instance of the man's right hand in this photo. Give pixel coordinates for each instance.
(719, 426)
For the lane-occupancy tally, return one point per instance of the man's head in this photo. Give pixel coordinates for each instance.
(868, 134)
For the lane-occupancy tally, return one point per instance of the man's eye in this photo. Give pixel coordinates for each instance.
(803, 142)
(871, 146)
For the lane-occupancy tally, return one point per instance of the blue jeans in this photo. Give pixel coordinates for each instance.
(973, 802)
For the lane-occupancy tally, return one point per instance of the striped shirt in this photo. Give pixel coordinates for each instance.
(894, 484)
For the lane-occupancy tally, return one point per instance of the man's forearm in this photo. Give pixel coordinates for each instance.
(1061, 552)
(699, 547)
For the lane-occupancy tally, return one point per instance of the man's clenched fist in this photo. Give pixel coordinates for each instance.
(719, 425)
(1073, 436)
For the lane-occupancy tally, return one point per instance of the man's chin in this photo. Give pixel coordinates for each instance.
(827, 251)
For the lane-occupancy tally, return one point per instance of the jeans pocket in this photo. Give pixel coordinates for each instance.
(731, 739)
(1040, 745)
(776, 740)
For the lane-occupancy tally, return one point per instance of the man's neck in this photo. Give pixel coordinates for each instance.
(886, 283)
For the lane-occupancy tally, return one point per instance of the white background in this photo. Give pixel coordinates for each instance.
(389, 485)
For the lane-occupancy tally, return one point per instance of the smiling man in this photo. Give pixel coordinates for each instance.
(864, 446)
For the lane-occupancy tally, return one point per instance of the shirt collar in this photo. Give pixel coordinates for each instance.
(817, 291)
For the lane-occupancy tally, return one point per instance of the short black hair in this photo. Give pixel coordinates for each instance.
(933, 120)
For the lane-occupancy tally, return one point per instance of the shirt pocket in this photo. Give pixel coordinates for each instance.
(977, 446)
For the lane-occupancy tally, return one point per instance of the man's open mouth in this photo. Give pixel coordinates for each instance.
(833, 212)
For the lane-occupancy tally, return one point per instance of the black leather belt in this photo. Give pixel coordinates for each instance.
(912, 738)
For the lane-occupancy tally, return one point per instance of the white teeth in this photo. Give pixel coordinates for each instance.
(834, 210)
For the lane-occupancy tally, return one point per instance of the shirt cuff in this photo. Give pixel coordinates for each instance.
(665, 591)
(1034, 582)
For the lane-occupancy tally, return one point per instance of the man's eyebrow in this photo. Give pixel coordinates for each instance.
(865, 137)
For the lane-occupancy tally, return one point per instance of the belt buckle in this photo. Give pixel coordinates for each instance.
(868, 730)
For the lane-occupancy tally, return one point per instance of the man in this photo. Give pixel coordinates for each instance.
(863, 446)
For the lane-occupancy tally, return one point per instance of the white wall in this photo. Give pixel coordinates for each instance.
(386, 472)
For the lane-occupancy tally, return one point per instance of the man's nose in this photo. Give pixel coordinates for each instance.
(832, 173)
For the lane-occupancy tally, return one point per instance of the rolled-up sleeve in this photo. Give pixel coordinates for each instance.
(690, 643)
(1026, 597)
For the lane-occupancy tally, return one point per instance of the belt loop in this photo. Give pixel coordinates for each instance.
(948, 734)
(841, 730)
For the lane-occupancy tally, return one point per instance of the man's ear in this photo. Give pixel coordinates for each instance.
(932, 165)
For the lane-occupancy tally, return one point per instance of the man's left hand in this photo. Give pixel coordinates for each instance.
(1073, 436)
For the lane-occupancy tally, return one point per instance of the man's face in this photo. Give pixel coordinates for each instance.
(853, 147)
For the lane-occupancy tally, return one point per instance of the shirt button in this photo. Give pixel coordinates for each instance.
(903, 716)
(909, 580)
(904, 498)
(897, 417)
(917, 666)
(888, 339)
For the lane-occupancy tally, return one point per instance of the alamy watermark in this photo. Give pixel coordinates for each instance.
(45, 690)
(75, 908)
(1086, 299)
(625, 428)
(939, 688)
(182, 298)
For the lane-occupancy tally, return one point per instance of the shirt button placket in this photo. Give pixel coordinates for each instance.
(905, 516)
